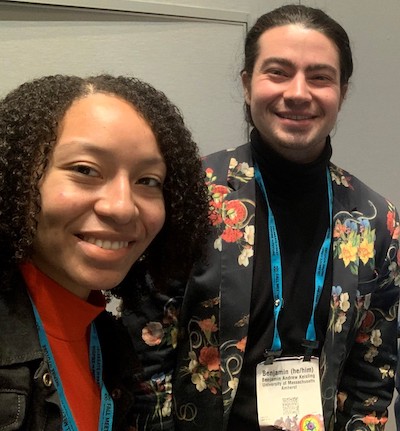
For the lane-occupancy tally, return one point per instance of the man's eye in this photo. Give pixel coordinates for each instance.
(322, 78)
(276, 72)
(85, 170)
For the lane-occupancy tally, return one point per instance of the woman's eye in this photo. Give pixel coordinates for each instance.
(151, 182)
(85, 170)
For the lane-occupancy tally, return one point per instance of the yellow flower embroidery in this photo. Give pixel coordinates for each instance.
(366, 251)
(348, 252)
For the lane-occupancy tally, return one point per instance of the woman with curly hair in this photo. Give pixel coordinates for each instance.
(101, 187)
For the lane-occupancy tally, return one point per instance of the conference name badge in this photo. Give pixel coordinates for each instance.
(289, 394)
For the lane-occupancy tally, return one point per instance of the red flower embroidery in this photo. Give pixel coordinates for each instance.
(218, 192)
(209, 357)
(208, 325)
(231, 235)
(390, 221)
(339, 230)
(368, 321)
(241, 345)
(235, 212)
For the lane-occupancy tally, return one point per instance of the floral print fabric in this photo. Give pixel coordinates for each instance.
(358, 358)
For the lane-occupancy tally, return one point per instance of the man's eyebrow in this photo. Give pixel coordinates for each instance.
(277, 60)
(322, 66)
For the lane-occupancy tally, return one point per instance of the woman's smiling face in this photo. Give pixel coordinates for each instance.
(101, 196)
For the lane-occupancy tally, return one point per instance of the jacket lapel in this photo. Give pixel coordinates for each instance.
(341, 321)
(236, 271)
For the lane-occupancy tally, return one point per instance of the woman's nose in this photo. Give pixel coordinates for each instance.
(117, 201)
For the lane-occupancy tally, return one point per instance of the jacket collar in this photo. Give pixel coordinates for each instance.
(18, 336)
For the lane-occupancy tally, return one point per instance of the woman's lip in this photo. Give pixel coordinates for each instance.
(106, 244)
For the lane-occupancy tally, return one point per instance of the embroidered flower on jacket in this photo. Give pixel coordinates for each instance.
(199, 381)
(366, 251)
(376, 339)
(339, 177)
(208, 325)
(241, 171)
(340, 305)
(391, 223)
(152, 333)
(370, 355)
(233, 385)
(372, 420)
(340, 319)
(231, 234)
(354, 240)
(204, 358)
(249, 234)
(348, 252)
(370, 401)
(241, 345)
(393, 226)
(344, 303)
(161, 386)
(386, 372)
(231, 217)
(341, 398)
(245, 255)
(209, 357)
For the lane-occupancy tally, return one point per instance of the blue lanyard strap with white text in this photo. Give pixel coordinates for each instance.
(96, 364)
(276, 264)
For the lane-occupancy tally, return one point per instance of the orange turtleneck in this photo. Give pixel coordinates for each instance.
(66, 320)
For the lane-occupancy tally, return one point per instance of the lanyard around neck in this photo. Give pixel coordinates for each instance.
(96, 365)
(276, 264)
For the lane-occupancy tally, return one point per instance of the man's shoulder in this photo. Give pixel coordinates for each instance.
(221, 157)
(352, 187)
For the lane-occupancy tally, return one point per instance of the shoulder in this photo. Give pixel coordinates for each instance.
(348, 187)
(221, 162)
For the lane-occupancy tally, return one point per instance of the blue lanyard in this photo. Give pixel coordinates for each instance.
(96, 365)
(276, 264)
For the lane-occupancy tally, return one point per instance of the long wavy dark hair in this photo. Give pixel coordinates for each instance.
(29, 119)
(305, 16)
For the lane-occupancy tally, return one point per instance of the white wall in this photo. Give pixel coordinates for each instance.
(367, 139)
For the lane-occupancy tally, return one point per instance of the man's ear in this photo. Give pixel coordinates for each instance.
(343, 93)
(246, 82)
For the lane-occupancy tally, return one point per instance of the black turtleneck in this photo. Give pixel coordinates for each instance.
(298, 197)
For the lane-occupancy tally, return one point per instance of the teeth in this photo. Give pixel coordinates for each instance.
(107, 245)
(296, 117)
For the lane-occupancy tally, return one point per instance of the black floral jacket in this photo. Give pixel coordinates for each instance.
(358, 359)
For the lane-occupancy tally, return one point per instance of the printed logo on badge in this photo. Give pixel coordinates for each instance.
(311, 423)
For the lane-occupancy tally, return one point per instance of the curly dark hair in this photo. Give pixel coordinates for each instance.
(29, 119)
